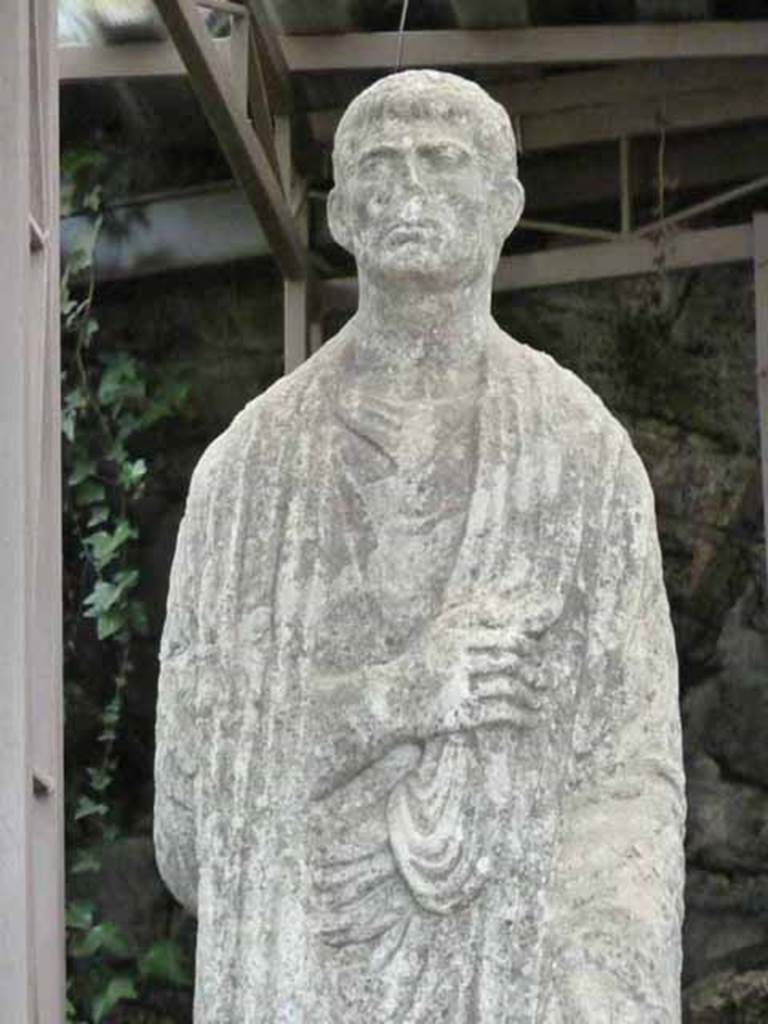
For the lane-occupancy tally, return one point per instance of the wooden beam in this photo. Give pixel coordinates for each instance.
(129, 60)
(598, 261)
(546, 227)
(539, 95)
(637, 83)
(237, 138)
(608, 121)
(713, 203)
(272, 57)
(760, 255)
(572, 44)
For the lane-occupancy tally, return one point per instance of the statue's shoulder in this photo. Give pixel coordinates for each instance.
(266, 423)
(570, 403)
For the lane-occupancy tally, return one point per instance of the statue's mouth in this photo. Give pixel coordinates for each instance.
(411, 231)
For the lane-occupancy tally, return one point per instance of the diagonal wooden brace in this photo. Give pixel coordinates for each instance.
(240, 143)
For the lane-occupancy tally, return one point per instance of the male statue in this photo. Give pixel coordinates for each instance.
(418, 742)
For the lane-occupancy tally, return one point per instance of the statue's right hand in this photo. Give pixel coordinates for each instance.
(484, 673)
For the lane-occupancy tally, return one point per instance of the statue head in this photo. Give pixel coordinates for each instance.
(426, 185)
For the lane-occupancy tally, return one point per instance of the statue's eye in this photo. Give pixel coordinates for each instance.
(376, 159)
(445, 156)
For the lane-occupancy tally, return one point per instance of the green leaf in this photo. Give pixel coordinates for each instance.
(68, 421)
(82, 469)
(85, 863)
(137, 614)
(110, 623)
(75, 398)
(93, 200)
(89, 492)
(80, 915)
(99, 514)
(89, 329)
(164, 961)
(122, 987)
(132, 473)
(105, 546)
(79, 259)
(86, 807)
(111, 833)
(168, 399)
(106, 593)
(111, 713)
(101, 778)
(128, 423)
(121, 381)
(105, 937)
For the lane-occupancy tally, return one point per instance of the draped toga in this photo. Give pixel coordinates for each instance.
(344, 867)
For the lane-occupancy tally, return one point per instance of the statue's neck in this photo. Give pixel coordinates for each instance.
(420, 342)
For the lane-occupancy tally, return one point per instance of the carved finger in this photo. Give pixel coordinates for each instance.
(501, 711)
(499, 688)
(495, 663)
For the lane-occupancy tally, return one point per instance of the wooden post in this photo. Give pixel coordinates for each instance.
(760, 236)
(295, 292)
(625, 185)
(316, 336)
(31, 844)
(16, 958)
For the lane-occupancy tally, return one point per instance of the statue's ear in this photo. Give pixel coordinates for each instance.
(338, 223)
(510, 200)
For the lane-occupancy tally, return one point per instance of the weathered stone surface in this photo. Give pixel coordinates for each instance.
(728, 821)
(729, 997)
(418, 744)
(737, 726)
(725, 915)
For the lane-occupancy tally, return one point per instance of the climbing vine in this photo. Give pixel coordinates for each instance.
(112, 401)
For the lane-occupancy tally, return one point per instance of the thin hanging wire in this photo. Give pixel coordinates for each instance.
(401, 35)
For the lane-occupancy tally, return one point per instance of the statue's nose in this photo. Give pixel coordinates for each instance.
(413, 176)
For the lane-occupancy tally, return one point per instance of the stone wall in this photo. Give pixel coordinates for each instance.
(674, 359)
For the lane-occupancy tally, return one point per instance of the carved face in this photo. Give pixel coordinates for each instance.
(418, 203)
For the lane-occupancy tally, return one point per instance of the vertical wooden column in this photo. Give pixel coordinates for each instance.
(296, 292)
(760, 237)
(316, 336)
(31, 845)
(43, 519)
(16, 958)
(625, 185)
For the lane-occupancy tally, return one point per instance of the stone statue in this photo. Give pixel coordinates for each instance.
(418, 741)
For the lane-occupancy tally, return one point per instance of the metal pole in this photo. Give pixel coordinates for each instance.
(760, 236)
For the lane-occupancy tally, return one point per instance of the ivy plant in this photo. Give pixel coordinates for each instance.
(111, 401)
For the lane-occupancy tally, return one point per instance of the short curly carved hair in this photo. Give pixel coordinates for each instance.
(410, 95)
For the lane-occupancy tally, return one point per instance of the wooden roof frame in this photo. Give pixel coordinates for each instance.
(685, 94)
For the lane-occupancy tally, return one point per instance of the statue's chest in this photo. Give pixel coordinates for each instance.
(403, 478)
